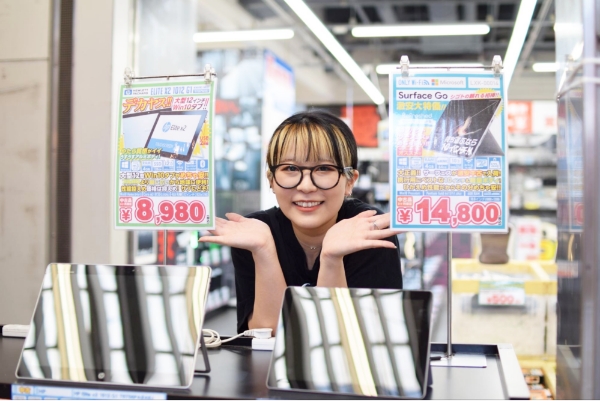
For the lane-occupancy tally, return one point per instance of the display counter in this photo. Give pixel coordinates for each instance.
(240, 372)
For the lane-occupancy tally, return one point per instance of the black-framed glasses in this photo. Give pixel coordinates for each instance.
(323, 176)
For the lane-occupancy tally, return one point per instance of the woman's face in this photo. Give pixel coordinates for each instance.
(310, 209)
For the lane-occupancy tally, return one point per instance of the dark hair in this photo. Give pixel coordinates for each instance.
(317, 133)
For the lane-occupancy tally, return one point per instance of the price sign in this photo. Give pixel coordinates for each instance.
(148, 210)
(500, 292)
(463, 213)
(447, 151)
(165, 174)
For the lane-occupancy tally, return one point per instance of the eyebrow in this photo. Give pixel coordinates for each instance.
(292, 161)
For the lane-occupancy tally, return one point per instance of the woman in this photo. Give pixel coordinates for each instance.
(316, 236)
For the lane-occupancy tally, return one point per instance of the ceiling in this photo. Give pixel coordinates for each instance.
(320, 79)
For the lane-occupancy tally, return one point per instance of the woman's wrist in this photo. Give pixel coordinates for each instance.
(265, 252)
(329, 261)
(332, 273)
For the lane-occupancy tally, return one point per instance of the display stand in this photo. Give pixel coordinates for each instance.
(208, 74)
(450, 358)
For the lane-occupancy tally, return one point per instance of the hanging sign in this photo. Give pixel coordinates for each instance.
(164, 172)
(448, 151)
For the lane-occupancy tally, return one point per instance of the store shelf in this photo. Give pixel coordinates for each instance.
(536, 212)
(547, 364)
(525, 324)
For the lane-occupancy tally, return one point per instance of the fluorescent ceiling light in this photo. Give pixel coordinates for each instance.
(515, 45)
(384, 69)
(544, 67)
(330, 42)
(243, 36)
(420, 30)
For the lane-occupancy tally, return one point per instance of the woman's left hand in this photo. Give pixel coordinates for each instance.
(363, 231)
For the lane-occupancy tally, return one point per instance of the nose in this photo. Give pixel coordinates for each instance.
(306, 184)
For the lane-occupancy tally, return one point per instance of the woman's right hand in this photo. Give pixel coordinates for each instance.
(239, 232)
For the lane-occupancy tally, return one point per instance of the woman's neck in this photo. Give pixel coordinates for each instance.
(311, 243)
(311, 239)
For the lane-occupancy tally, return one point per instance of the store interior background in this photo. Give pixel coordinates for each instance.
(56, 179)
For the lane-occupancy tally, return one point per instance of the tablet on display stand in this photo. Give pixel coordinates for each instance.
(117, 325)
(353, 342)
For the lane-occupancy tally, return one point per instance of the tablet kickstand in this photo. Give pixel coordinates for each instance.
(205, 356)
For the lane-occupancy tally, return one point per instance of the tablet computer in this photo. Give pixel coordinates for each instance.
(136, 127)
(463, 129)
(175, 133)
(353, 342)
(116, 325)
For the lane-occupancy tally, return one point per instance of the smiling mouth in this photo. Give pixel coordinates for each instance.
(307, 204)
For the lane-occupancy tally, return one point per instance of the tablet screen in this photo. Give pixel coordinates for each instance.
(136, 128)
(120, 325)
(175, 133)
(350, 341)
(462, 126)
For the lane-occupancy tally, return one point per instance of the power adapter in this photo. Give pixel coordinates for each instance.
(259, 333)
(261, 338)
(263, 344)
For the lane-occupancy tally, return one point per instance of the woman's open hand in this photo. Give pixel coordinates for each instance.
(239, 232)
(363, 231)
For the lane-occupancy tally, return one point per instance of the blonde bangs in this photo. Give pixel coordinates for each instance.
(308, 143)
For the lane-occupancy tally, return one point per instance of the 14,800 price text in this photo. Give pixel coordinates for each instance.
(463, 213)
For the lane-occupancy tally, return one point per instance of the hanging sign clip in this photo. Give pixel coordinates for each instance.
(497, 64)
(404, 63)
(209, 72)
(127, 76)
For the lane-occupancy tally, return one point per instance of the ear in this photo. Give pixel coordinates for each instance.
(350, 183)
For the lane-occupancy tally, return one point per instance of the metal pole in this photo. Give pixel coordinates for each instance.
(449, 298)
(422, 260)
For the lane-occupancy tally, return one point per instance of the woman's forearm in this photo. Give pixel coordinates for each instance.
(269, 288)
(331, 272)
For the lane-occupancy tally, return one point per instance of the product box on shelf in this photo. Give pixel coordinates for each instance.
(540, 376)
(503, 303)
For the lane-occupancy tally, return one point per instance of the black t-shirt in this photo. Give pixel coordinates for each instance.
(369, 268)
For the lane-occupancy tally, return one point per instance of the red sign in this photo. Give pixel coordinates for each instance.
(519, 119)
(364, 124)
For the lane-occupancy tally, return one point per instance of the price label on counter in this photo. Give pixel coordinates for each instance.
(499, 292)
(35, 392)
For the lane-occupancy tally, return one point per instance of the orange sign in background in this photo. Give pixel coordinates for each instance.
(364, 124)
(519, 117)
(532, 117)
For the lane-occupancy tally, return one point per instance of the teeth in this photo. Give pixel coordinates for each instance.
(307, 204)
